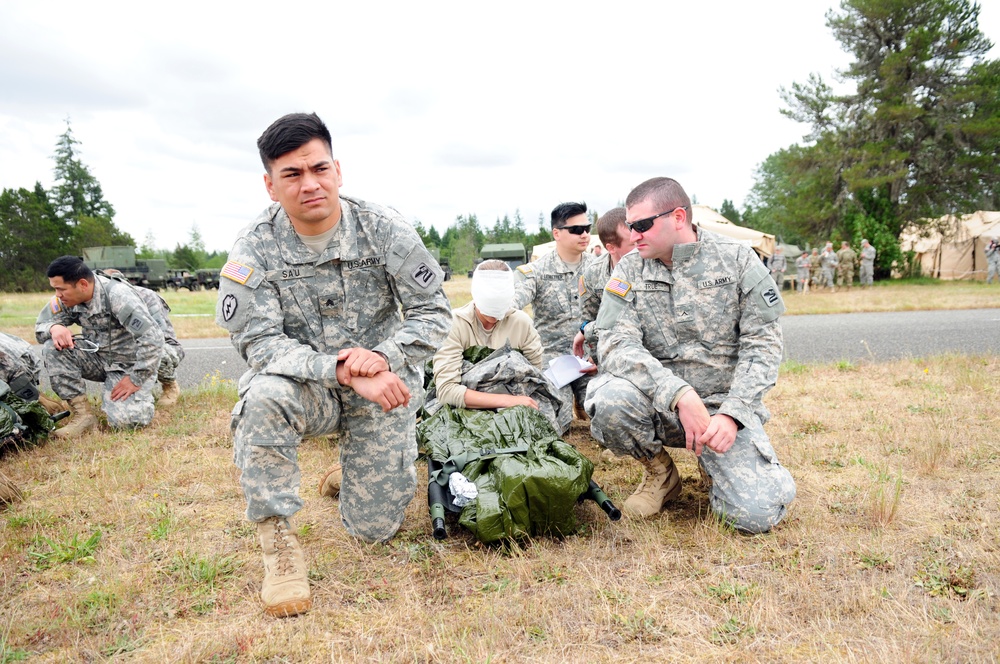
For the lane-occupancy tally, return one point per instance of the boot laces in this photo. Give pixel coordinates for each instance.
(283, 547)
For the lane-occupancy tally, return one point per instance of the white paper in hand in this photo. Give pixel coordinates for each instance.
(564, 369)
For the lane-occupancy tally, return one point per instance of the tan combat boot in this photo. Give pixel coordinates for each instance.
(81, 422)
(661, 482)
(52, 406)
(330, 484)
(285, 591)
(171, 392)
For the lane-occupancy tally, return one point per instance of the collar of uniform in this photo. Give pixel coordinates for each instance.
(293, 250)
(562, 266)
(686, 251)
(655, 270)
(95, 305)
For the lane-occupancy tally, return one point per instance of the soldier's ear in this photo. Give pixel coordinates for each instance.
(269, 185)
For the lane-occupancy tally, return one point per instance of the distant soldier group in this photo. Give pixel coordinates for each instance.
(817, 270)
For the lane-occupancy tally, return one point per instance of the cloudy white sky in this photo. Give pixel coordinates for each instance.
(437, 109)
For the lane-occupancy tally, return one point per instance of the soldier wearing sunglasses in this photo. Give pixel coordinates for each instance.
(689, 343)
(551, 286)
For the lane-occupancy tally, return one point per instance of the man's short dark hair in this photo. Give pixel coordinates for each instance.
(666, 193)
(70, 268)
(290, 132)
(607, 225)
(564, 211)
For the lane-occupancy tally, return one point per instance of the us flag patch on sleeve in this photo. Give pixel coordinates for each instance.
(236, 271)
(55, 305)
(618, 287)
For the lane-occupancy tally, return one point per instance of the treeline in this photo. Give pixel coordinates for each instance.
(917, 138)
(191, 256)
(463, 240)
(38, 225)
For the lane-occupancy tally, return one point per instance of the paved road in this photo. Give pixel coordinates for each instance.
(821, 338)
(888, 336)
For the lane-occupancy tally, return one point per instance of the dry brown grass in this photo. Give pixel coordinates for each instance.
(889, 554)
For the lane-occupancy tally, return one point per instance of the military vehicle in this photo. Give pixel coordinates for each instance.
(178, 279)
(149, 272)
(513, 254)
(207, 278)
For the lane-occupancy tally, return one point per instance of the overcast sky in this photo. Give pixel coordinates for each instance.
(437, 109)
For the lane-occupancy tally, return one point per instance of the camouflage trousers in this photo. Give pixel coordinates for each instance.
(169, 360)
(377, 451)
(993, 271)
(866, 274)
(826, 277)
(750, 489)
(12, 367)
(779, 279)
(70, 369)
(845, 276)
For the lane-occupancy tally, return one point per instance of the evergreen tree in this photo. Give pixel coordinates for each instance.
(77, 192)
(915, 139)
(30, 238)
(729, 211)
(78, 200)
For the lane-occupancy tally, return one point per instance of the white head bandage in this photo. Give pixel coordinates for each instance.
(493, 291)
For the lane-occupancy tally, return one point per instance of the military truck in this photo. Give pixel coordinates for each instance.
(178, 279)
(149, 273)
(208, 278)
(513, 254)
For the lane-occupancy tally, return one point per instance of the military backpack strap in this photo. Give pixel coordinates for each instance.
(457, 462)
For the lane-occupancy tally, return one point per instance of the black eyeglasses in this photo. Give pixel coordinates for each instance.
(643, 225)
(575, 230)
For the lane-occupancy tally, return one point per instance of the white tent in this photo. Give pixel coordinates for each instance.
(707, 218)
(953, 247)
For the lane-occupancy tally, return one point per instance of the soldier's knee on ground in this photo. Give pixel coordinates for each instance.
(759, 508)
(375, 530)
(129, 415)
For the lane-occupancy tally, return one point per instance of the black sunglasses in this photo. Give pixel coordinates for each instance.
(643, 225)
(575, 230)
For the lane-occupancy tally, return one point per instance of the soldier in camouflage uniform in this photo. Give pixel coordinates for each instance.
(615, 238)
(866, 273)
(173, 352)
(993, 260)
(845, 265)
(18, 365)
(777, 265)
(828, 263)
(335, 304)
(551, 286)
(22, 372)
(815, 269)
(120, 345)
(689, 343)
(803, 265)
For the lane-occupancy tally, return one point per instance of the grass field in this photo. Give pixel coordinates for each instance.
(132, 546)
